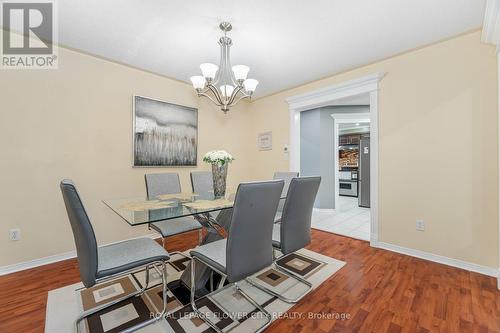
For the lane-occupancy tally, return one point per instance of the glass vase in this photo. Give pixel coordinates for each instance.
(219, 173)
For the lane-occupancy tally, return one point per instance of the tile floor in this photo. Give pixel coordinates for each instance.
(348, 220)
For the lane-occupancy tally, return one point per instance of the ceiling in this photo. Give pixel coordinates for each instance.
(285, 42)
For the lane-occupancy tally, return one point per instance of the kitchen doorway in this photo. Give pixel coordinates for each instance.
(325, 96)
(351, 216)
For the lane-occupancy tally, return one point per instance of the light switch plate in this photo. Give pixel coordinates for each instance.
(420, 225)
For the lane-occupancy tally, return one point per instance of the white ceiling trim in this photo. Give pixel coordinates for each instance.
(491, 23)
(322, 97)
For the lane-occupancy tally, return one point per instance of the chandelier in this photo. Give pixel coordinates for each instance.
(223, 85)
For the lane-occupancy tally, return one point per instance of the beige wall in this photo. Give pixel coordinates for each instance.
(76, 122)
(438, 147)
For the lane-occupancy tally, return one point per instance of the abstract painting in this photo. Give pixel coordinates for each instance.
(165, 134)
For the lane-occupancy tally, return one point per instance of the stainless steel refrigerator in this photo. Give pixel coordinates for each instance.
(364, 173)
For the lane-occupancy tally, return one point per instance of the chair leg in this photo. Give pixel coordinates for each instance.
(203, 317)
(221, 282)
(257, 305)
(198, 313)
(138, 292)
(165, 289)
(293, 275)
(274, 254)
(281, 297)
(211, 281)
(157, 316)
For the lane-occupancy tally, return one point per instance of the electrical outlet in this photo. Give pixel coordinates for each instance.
(15, 234)
(420, 225)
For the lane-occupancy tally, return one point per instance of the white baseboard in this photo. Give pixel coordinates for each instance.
(490, 271)
(51, 259)
(36, 262)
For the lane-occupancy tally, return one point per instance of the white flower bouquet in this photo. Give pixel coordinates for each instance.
(219, 157)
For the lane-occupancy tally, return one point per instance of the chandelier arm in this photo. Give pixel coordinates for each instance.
(234, 94)
(214, 91)
(204, 90)
(242, 97)
(233, 79)
(210, 98)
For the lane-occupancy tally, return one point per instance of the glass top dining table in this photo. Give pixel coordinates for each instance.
(140, 210)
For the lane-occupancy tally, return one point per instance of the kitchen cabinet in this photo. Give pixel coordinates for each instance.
(349, 139)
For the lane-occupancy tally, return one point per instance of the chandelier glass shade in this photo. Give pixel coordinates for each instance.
(224, 85)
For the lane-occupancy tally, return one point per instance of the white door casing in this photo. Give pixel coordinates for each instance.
(326, 96)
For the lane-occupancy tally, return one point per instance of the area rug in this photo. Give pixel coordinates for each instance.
(228, 309)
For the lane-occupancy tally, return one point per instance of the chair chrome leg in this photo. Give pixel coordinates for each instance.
(147, 278)
(281, 297)
(257, 305)
(221, 282)
(200, 315)
(165, 288)
(274, 254)
(293, 275)
(157, 316)
(203, 317)
(138, 292)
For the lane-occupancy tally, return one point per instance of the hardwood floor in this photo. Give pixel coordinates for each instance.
(380, 291)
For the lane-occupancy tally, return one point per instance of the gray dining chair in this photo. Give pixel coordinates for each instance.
(287, 176)
(202, 182)
(102, 263)
(248, 247)
(294, 231)
(169, 183)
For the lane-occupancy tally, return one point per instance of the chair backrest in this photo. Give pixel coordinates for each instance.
(296, 218)
(83, 233)
(162, 183)
(249, 243)
(202, 182)
(287, 177)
